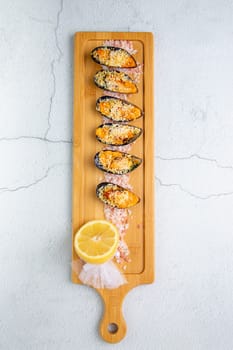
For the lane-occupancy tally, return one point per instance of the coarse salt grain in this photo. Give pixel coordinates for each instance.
(121, 180)
(125, 148)
(118, 95)
(119, 217)
(123, 44)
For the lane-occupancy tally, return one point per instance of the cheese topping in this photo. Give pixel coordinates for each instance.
(117, 109)
(113, 57)
(116, 134)
(116, 162)
(117, 196)
(115, 81)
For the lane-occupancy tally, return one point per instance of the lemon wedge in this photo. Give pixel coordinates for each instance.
(96, 242)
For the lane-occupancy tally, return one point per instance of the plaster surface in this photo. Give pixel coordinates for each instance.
(190, 304)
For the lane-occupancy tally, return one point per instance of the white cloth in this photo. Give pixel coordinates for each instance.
(100, 276)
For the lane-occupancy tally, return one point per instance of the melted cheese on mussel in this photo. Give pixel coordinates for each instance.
(117, 134)
(113, 57)
(116, 162)
(115, 81)
(117, 109)
(116, 196)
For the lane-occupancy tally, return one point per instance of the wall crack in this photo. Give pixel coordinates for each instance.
(181, 188)
(52, 67)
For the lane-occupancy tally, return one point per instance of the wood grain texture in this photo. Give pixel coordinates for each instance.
(140, 235)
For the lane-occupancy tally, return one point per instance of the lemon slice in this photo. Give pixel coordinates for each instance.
(96, 242)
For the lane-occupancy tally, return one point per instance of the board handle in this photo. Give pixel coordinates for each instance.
(113, 326)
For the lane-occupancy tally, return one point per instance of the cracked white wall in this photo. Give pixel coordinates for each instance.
(193, 176)
(190, 305)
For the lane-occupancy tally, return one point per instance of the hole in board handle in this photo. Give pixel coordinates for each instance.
(112, 328)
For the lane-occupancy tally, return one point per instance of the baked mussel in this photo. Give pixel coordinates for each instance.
(113, 57)
(116, 196)
(116, 162)
(115, 81)
(117, 110)
(117, 134)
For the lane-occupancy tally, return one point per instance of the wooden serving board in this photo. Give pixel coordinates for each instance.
(140, 235)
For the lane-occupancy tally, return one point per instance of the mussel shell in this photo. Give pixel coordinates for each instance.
(117, 134)
(116, 196)
(113, 57)
(118, 110)
(115, 81)
(116, 162)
